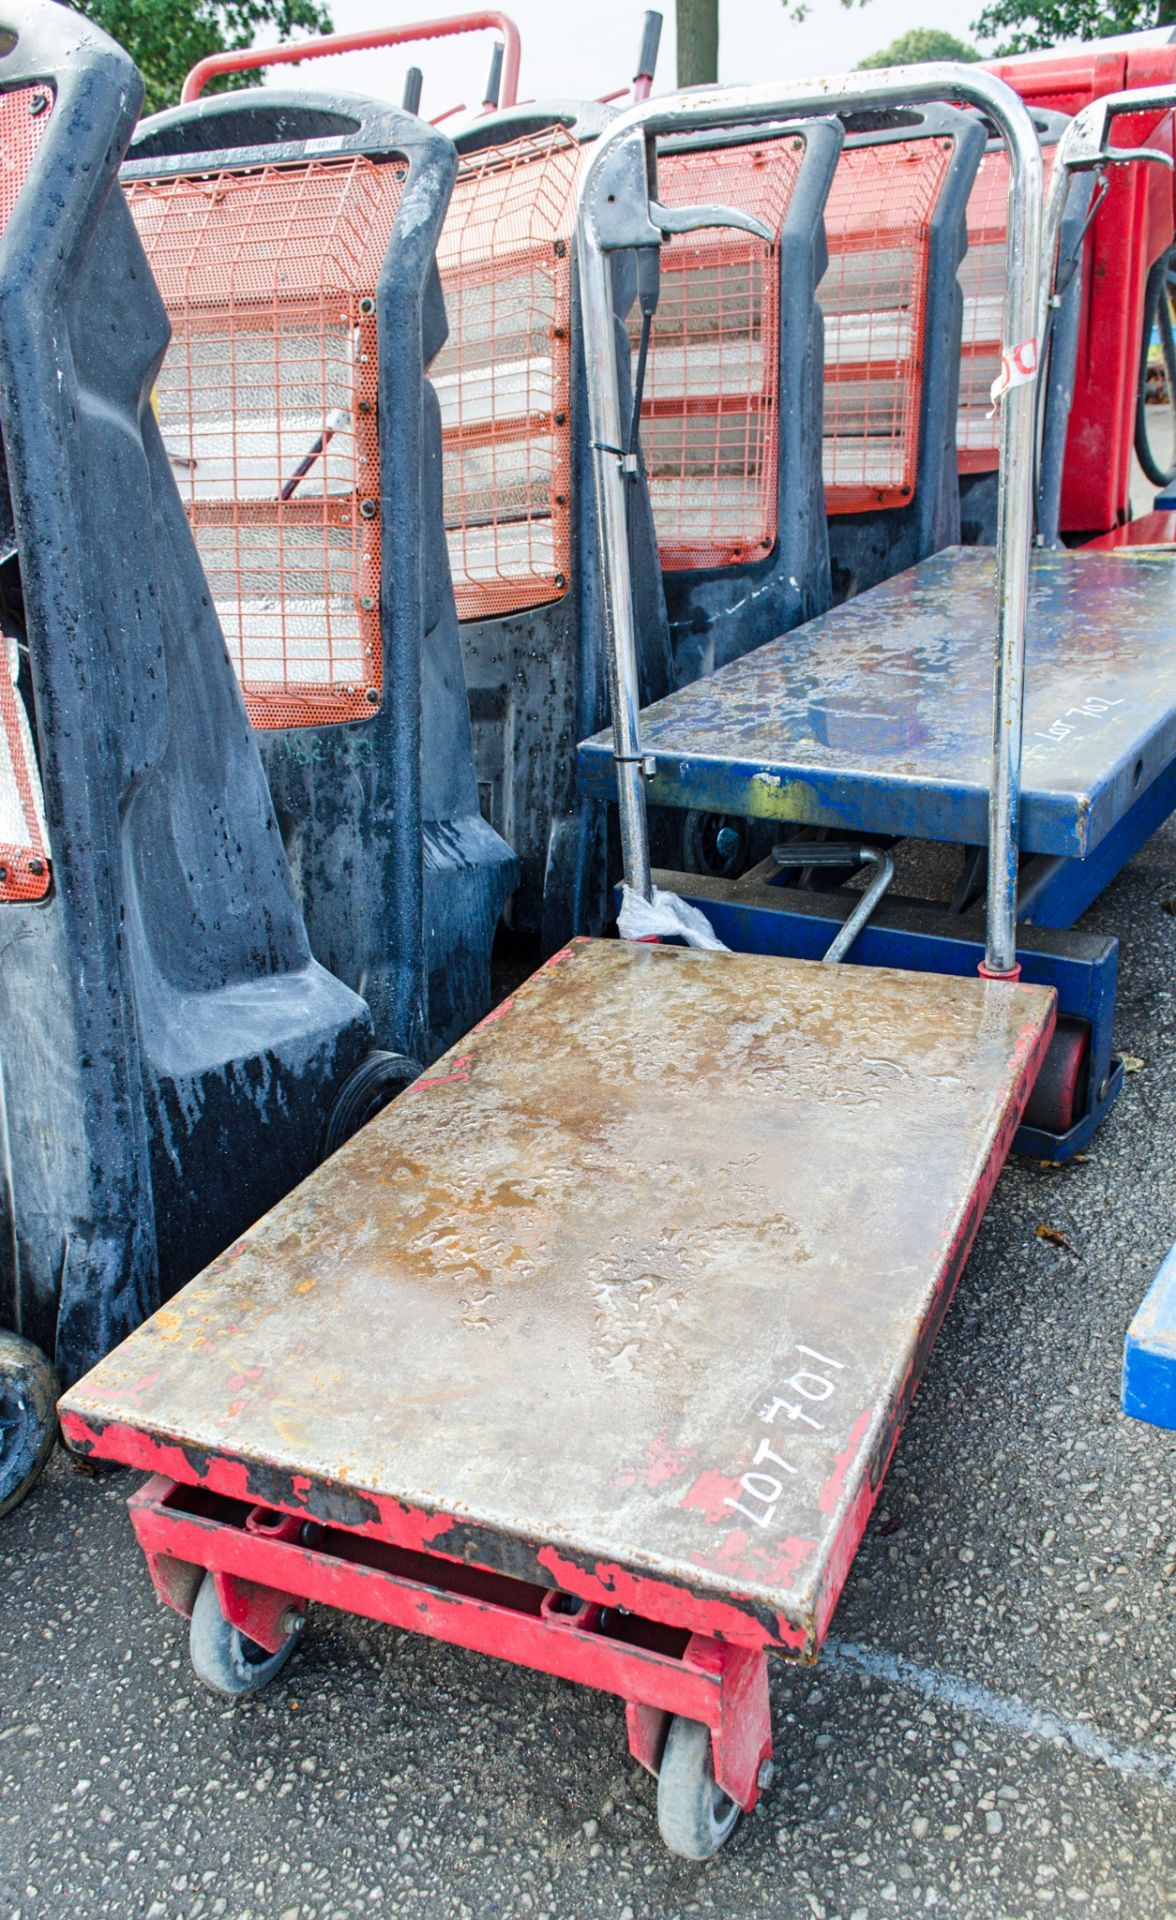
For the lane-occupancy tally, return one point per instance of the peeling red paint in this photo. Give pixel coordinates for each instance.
(710, 1493)
(494, 1014)
(729, 1557)
(655, 1599)
(769, 1561)
(791, 1555)
(834, 1486)
(460, 1073)
(798, 1638)
(140, 1387)
(225, 1260)
(246, 1378)
(662, 1463)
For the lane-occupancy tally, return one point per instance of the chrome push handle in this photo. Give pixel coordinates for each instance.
(615, 211)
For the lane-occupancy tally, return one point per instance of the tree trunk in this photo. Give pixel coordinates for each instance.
(698, 41)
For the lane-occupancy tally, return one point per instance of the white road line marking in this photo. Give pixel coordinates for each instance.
(1007, 1714)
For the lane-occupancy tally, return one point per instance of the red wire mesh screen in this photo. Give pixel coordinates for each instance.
(982, 282)
(503, 378)
(874, 297)
(267, 407)
(24, 853)
(25, 112)
(710, 408)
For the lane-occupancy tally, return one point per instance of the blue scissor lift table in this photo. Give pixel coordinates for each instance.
(876, 718)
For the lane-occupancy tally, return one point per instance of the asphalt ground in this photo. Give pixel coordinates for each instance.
(992, 1731)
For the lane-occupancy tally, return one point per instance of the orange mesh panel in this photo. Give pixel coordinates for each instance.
(25, 112)
(504, 376)
(267, 406)
(982, 281)
(709, 413)
(874, 296)
(24, 854)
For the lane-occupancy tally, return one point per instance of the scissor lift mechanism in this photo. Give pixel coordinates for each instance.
(578, 1354)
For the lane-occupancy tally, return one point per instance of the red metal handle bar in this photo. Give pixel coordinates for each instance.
(489, 21)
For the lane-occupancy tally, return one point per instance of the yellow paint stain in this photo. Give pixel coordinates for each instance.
(774, 799)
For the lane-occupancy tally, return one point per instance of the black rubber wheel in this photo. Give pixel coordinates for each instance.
(715, 843)
(1157, 313)
(694, 1816)
(375, 1082)
(29, 1390)
(1058, 1099)
(225, 1659)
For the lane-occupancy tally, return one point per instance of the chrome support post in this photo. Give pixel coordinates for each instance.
(603, 226)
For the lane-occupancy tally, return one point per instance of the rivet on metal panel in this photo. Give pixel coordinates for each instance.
(560, 248)
(369, 509)
(367, 304)
(561, 581)
(367, 602)
(38, 103)
(372, 697)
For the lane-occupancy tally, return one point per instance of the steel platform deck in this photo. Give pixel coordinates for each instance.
(878, 715)
(628, 1296)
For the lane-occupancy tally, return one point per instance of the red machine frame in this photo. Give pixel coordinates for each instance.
(1134, 226)
(267, 1565)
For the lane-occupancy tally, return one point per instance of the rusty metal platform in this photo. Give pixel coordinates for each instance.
(628, 1295)
(878, 715)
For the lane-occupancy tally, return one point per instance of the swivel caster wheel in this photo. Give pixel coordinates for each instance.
(694, 1816)
(226, 1661)
(29, 1391)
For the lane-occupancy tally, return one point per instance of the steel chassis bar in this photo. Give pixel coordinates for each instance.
(267, 1565)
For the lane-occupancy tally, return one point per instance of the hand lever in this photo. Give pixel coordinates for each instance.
(1121, 157)
(690, 219)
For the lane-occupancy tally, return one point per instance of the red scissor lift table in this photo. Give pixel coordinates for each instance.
(592, 1351)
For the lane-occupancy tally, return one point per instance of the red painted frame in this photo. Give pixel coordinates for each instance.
(268, 1565)
(489, 20)
(1134, 226)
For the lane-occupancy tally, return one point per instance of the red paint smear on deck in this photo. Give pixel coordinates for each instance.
(710, 1494)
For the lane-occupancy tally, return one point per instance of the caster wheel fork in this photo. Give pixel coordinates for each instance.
(694, 1816)
(227, 1661)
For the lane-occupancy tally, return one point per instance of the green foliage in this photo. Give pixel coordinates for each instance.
(919, 44)
(165, 38)
(1025, 24)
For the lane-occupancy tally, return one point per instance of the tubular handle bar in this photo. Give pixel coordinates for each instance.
(250, 58)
